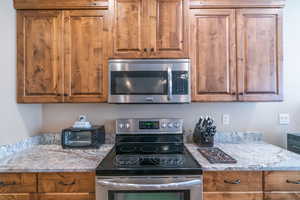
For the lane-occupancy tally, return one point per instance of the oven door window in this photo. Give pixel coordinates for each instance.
(139, 83)
(149, 195)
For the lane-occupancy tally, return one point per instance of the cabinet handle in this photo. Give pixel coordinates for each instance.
(233, 93)
(293, 182)
(236, 182)
(241, 93)
(2, 184)
(66, 184)
(145, 50)
(152, 50)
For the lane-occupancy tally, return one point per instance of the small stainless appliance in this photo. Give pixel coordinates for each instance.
(149, 81)
(293, 142)
(149, 161)
(83, 137)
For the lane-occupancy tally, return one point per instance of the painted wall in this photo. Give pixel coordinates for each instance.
(16, 121)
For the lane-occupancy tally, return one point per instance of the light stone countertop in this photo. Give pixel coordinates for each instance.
(251, 157)
(53, 158)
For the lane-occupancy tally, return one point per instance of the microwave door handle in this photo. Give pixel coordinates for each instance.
(170, 86)
(114, 184)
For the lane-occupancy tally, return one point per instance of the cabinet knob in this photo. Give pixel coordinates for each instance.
(145, 50)
(152, 50)
(241, 93)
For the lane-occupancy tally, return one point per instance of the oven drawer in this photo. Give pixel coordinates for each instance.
(233, 181)
(17, 183)
(282, 181)
(66, 182)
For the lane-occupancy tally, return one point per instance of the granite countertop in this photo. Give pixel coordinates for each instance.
(251, 157)
(52, 158)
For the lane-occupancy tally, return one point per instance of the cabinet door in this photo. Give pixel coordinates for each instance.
(39, 62)
(168, 28)
(129, 28)
(18, 197)
(86, 55)
(259, 42)
(213, 55)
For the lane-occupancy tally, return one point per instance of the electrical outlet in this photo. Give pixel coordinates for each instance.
(284, 118)
(226, 119)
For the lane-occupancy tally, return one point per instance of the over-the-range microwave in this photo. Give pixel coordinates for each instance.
(149, 81)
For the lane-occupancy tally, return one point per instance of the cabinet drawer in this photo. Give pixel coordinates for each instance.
(282, 181)
(17, 183)
(17, 197)
(232, 196)
(282, 196)
(66, 182)
(61, 196)
(232, 181)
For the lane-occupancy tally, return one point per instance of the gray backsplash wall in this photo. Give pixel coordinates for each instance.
(262, 117)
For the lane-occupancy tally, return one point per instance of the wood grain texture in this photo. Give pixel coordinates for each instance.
(63, 196)
(18, 197)
(282, 196)
(66, 182)
(259, 53)
(18, 183)
(249, 181)
(168, 24)
(129, 28)
(232, 196)
(277, 181)
(213, 55)
(60, 4)
(39, 60)
(236, 3)
(86, 55)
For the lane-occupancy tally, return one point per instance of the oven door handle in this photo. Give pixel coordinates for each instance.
(170, 84)
(112, 183)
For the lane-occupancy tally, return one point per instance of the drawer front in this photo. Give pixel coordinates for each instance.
(75, 196)
(232, 181)
(66, 182)
(232, 196)
(282, 181)
(282, 196)
(18, 183)
(17, 197)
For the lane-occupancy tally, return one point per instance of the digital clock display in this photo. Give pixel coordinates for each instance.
(149, 125)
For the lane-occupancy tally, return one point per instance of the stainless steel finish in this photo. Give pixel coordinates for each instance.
(170, 84)
(149, 183)
(167, 126)
(150, 65)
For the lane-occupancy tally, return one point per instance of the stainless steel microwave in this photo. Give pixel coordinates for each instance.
(149, 81)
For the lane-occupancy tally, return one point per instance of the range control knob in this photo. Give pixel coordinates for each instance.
(170, 125)
(163, 125)
(176, 125)
(127, 125)
(121, 125)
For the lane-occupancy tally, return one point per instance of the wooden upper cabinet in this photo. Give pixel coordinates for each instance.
(129, 28)
(168, 28)
(259, 42)
(213, 54)
(39, 58)
(86, 50)
(150, 29)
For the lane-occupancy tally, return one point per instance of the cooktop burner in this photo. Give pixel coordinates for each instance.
(171, 160)
(216, 156)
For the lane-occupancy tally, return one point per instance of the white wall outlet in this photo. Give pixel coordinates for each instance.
(226, 119)
(284, 118)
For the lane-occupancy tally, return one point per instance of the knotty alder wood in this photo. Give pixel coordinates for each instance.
(62, 196)
(60, 4)
(236, 3)
(87, 40)
(216, 181)
(18, 197)
(281, 196)
(213, 55)
(278, 181)
(18, 183)
(232, 196)
(259, 42)
(39, 57)
(66, 182)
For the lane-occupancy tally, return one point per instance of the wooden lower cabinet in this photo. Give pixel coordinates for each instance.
(282, 196)
(66, 196)
(232, 196)
(18, 197)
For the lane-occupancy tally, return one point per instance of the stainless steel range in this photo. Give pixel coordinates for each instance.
(149, 162)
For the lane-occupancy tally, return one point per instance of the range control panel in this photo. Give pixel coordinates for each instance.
(149, 126)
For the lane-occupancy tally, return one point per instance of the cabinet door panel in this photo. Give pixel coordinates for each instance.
(39, 56)
(18, 183)
(213, 55)
(129, 24)
(86, 49)
(168, 28)
(62, 196)
(18, 197)
(260, 54)
(232, 196)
